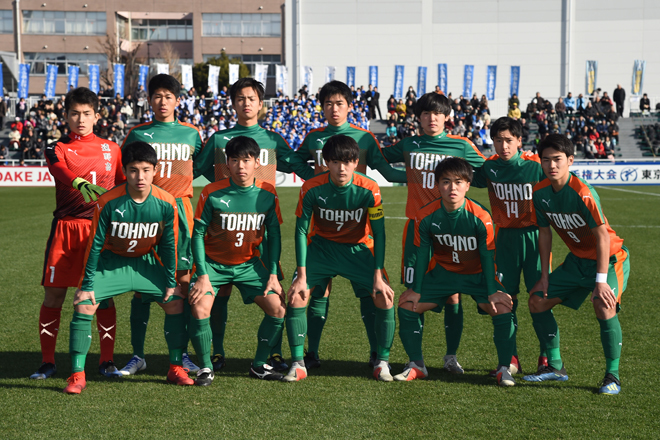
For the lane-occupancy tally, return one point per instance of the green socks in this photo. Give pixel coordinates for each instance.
(219, 323)
(80, 338)
(317, 313)
(515, 326)
(385, 326)
(270, 331)
(453, 326)
(200, 336)
(504, 337)
(296, 329)
(611, 338)
(410, 332)
(175, 335)
(547, 331)
(139, 319)
(368, 313)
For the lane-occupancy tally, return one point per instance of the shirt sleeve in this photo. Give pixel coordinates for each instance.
(274, 238)
(168, 242)
(298, 161)
(57, 165)
(97, 235)
(486, 244)
(423, 242)
(473, 155)
(203, 215)
(199, 157)
(541, 219)
(304, 213)
(394, 153)
(479, 179)
(377, 161)
(205, 162)
(282, 154)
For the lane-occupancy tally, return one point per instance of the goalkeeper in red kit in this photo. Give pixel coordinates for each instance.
(84, 167)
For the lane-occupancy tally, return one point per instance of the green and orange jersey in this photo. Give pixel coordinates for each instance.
(230, 222)
(130, 229)
(573, 212)
(177, 145)
(273, 157)
(510, 185)
(421, 154)
(370, 153)
(463, 241)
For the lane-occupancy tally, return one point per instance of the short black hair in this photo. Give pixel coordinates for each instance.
(558, 142)
(81, 95)
(164, 81)
(454, 166)
(506, 123)
(342, 148)
(242, 147)
(433, 102)
(243, 83)
(335, 88)
(138, 151)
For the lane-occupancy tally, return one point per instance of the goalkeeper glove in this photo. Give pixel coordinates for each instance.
(89, 191)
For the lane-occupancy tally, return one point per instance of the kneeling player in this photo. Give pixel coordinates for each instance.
(460, 232)
(130, 222)
(339, 201)
(598, 262)
(230, 221)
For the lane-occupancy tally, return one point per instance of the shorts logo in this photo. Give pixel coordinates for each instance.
(547, 202)
(494, 172)
(226, 202)
(185, 259)
(121, 212)
(325, 200)
(151, 135)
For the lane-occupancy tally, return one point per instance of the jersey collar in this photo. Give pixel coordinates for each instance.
(76, 137)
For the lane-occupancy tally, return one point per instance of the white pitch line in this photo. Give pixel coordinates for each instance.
(398, 218)
(635, 226)
(629, 191)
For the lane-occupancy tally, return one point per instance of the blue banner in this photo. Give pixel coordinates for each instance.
(591, 76)
(74, 72)
(2, 81)
(142, 79)
(421, 80)
(51, 80)
(350, 76)
(491, 82)
(119, 79)
(639, 66)
(514, 86)
(468, 77)
(23, 80)
(398, 81)
(93, 74)
(373, 75)
(442, 77)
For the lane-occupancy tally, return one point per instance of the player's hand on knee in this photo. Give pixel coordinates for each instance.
(540, 286)
(380, 285)
(199, 288)
(502, 298)
(274, 285)
(298, 287)
(410, 296)
(605, 293)
(82, 295)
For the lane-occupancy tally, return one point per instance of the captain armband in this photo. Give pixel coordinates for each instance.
(376, 213)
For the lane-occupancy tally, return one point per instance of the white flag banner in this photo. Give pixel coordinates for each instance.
(162, 68)
(329, 73)
(260, 73)
(282, 79)
(307, 77)
(233, 73)
(186, 76)
(214, 75)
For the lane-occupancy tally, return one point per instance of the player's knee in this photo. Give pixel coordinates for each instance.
(54, 297)
(382, 302)
(173, 307)
(536, 304)
(602, 312)
(454, 299)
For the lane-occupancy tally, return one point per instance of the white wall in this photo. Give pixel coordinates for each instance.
(527, 33)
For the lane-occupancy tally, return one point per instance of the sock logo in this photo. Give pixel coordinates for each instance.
(301, 335)
(106, 330)
(43, 330)
(263, 340)
(552, 335)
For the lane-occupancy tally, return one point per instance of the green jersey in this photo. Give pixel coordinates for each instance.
(177, 145)
(273, 156)
(230, 222)
(421, 155)
(463, 241)
(370, 153)
(510, 184)
(573, 212)
(128, 229)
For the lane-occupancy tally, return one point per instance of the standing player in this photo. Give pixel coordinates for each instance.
(84, 167)
(421, 155)
(346, 208)
(597, 263)
(132, 246)
(178, 146)
(510, 176)
(231, 219)
(336, 99)
(459, 233)
(247, 97)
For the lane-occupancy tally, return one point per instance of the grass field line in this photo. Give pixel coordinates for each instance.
(629, 191)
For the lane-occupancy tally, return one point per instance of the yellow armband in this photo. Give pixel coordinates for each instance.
(376, 213)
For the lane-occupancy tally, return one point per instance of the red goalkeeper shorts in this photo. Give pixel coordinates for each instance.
(65, 252)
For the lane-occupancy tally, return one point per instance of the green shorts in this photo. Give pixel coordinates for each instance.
(409, 254)
(250, 277)
(439, 284)
(516, 251)
(575, 278)
(116, 274)
(326, 259)
(184, 243)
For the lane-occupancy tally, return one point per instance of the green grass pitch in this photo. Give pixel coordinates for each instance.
(339, 400)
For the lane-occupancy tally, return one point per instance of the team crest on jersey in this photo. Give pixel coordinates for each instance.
(105, 147)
